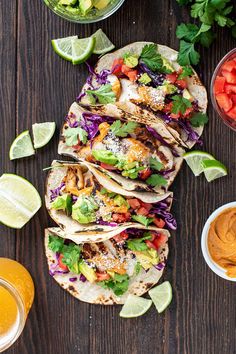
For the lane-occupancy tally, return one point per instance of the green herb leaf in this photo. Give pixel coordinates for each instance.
(199, 119)
(63, 202)
(187, 31)
(122, 130)
(187, 54)
(137, 268)
(138, 244)
(198, 9)
(55, 243)
(73, 134)
(207, 38)
(119, 284)
(153, 59)
(156, 181)
(180, 104)
(186, 71)
(71, 255)
(155, 164)
(104, 94)
(142, 219)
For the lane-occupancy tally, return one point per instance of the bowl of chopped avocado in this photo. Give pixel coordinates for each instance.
(84, 11)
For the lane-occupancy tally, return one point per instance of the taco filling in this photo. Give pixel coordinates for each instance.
(80, 196)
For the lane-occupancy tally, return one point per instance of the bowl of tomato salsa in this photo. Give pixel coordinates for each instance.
(223, 89)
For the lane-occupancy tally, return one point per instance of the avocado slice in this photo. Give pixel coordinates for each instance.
(101, 4)
(85, 6)
(87, 271)
(119, 200)
(105, 156)
(147, 258)
(167, 64)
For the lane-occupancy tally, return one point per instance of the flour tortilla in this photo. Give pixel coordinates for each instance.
(95, 294)
(195, 87)
(91, 232)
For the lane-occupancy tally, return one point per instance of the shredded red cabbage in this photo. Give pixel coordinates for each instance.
(82, 278)
(157, 78)
(112, 224)
(73, 279)
(160, 266)
(56, 192)
(167, 216)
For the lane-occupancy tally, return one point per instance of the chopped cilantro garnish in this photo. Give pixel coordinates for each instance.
(73, 134)
(199, 119)
(153, 59)
(186, 71)
(71, 255)
(142, 219)
(155, 164)
(104, 94)
(122, 130)
(138, 244)
(55, 243)
(156, 181)
(119, 284)
(180, 104)
(187, 54)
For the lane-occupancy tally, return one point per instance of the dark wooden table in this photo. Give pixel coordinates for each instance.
(37, 86)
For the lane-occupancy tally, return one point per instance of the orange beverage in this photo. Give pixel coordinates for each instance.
(16, 298)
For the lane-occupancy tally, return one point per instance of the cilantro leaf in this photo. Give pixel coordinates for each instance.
(55, 243)
(122, 130)
(104, 94)
(119, 284)
(138, 244)
(198, 9)
(199, 119)
(187, 54)
(71, 255)
(155, 164)
(142, 219)
(73, 134)
(180, 104)
(156, 181)
(221, 20)
(186, 71)
(207, 38)
(187, 31)
(153, 59)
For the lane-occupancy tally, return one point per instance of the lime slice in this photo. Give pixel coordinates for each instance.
(63, 47)
(213, 169)
(20, 200)
(103, 43)
(82, 49)
(135, 306)
(22, 146)
(194, 160)
(42, 133)
(161, 295)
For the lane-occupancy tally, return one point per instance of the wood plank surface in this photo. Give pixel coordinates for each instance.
(36, 86)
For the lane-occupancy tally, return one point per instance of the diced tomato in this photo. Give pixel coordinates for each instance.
(182, 83)
(159, 222)
(102, 276)
(219, 84)
(188, 112)
(121, 237)
(116, 67)
(232, 113)
(144, 174)
(224, 101)
(229, 65)
(107, 167)
(121, 217)
(153, 235)
(77, 147)
(233, 98)
(160, 240)
(175, 115)
(61, 264)
(134, 203)
(147, 206)
(132, 75)
(229, 76)
(125, 69)
(230, 88)
(172, 77)
(142, 211)
(168, 107)
(150, 244)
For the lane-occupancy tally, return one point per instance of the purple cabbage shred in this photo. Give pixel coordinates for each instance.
(112, 224)
(73, 279)
(160, 266)
(82, 278)
(56, 192)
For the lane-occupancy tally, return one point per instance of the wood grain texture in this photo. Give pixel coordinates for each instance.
(36, 86)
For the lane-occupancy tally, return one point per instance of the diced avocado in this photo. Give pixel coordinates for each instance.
(167, 64)
(67, 2)
(146, 258)
(101, 4)
(73, 10)
(187, 95)
(62, 202)
(84, 209)
(144, 79)
(87, 271)
(119, 200)
(112, 274)
(168, 88)
(105, 156)
(85, 6)
(130, 60)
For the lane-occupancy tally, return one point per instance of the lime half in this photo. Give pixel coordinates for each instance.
(20, 200)
(82, 49)
(161, 295)
(213, 169)
(22, 146)
(194, 160)
(42, 133)
(103, 43)
(135, 306)
(63, 47)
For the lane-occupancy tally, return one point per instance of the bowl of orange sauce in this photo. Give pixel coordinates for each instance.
(218, 241)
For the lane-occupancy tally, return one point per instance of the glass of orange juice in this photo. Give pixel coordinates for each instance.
(16, 298)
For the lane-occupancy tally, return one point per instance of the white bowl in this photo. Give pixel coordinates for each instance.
(213, 265)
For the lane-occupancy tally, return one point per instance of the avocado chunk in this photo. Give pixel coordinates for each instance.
(130, 60)
(105, 156)
(145, 79)
(101, 4)
(87, 271)
(67, 2)
(119, 200)
(168, 88)
(85, 6)
(63, 202)
(187, 95)
(167, 64)
(147, 258)
(84, 209)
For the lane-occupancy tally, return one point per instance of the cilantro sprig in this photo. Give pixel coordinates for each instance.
(138, 244)
(104, 94)
(153, 59)
(119, 284)
(199, 119)
(142, 219)
(73, 134)
(180, 104)
(122, 130)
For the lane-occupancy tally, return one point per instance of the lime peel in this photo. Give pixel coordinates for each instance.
(22, 146)
(42, 133)
(161, 296)
(194, 160)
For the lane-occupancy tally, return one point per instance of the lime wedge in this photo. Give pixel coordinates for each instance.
(22, 146)
(161, 295)
(42, 133)
(103, 43)
(194, 160)
(135, 306)
(63, 47)
(82, 49)
(20, 200)
(213, 169)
